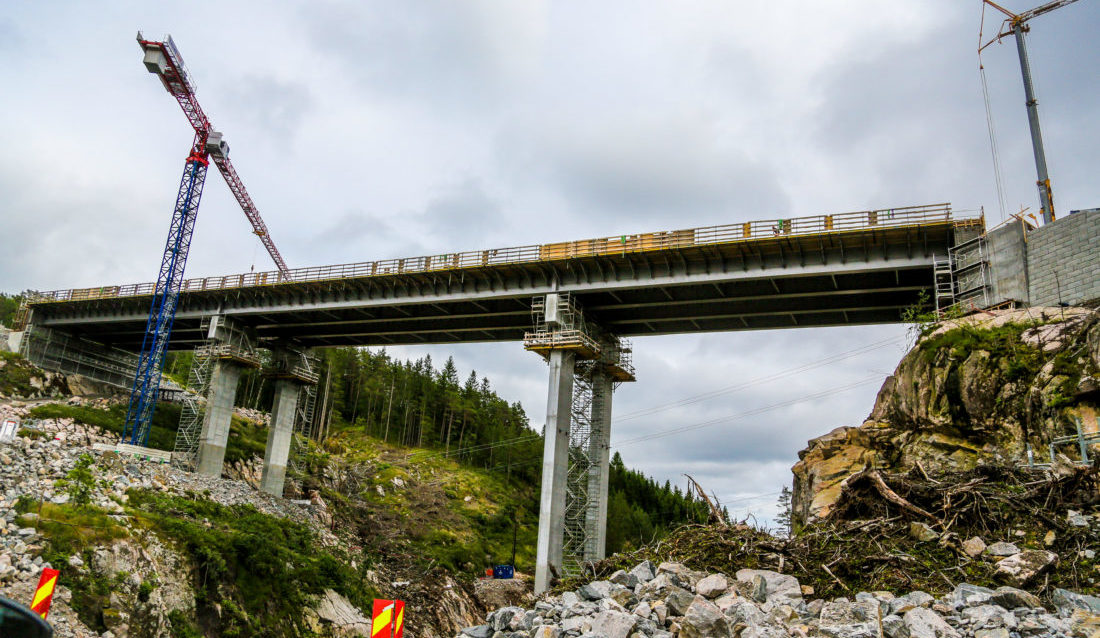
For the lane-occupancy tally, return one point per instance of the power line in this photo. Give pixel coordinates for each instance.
(753, 412)
(759, 380)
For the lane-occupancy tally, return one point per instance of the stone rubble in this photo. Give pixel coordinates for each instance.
(671, 600)
(30, 467)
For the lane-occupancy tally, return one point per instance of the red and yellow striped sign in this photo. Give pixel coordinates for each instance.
(388, 619)
(44, 594)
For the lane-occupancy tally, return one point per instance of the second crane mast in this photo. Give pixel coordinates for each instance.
(1016, 24)
(163, 59)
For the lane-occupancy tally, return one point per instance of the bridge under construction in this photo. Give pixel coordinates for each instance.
(573, 303)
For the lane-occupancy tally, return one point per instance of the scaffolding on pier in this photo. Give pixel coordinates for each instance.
(559, 324)
(229, 344)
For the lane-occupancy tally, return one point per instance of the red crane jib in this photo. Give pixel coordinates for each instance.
(163, 59)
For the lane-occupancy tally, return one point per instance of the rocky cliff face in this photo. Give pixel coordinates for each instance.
(982, 388)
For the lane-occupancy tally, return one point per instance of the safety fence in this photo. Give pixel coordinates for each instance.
(911, 216)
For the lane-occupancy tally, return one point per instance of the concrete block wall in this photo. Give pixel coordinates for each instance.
(1063, 260)
(1007, 250)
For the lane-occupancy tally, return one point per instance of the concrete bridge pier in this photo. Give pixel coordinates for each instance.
(227, 352)
(293, 369)
(220, 398)
(279, 434)
(555, 462)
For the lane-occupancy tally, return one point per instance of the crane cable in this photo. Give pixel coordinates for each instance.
(994, 150)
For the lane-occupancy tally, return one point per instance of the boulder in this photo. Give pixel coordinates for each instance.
(1020, 569)
(345, 618)
(595, 590)
(967, 595)
(678, 601)
(1012, 598)
(1066, 602)
(780, 588)
(912, 600)
(742, 612)
(626, 579)
(480, 631)
(893, 626)
(1001, 548)
(712, 586)
(659, 585)
(643, 571)
(502, 618)
(843, 619)
(614, 624)
(990, 616)
(686, 576)
(544, 631)
(922, 532)
(973, 546)
(704, 620)
(925, 623)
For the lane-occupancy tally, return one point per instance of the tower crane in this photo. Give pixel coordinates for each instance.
(163, 59)
(1016, 24)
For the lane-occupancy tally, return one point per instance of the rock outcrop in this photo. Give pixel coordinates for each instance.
(983, 388)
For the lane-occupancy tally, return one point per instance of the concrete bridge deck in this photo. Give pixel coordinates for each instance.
(851, 268)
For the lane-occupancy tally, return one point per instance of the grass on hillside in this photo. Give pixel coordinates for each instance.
(430, 521)
(259, 569)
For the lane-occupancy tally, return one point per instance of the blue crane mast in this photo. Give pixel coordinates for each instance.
(163, 59)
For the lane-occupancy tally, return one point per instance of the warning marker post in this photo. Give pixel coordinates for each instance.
(43, 595)
(388, 619)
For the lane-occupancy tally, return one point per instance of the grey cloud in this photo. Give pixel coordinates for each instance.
(648, 168)
(462, 209)
(455, 55)
(274, 106)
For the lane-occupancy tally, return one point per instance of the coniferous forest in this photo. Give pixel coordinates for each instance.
(416, 404)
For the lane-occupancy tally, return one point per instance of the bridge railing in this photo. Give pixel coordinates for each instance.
(728, 233)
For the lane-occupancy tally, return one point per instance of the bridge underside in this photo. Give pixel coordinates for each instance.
(847, 278)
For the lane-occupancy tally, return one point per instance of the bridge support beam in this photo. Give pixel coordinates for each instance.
(220, 398)
(555, 465)
(278, 436)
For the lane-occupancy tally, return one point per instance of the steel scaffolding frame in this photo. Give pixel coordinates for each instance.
(581, 503)
(66, 353)
(306, 369)
(185, 450)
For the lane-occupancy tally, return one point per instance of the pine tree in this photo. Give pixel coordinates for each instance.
(783, 517)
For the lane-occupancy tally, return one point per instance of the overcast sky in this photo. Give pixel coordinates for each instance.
(367, 130)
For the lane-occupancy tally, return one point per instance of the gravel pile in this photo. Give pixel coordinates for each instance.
(672, 600)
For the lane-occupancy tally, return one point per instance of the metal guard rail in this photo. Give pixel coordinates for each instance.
(710, 235)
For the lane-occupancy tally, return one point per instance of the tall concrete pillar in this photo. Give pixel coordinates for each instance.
(599, 453)
(555, 466)
(278, 436)
(219, 412)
